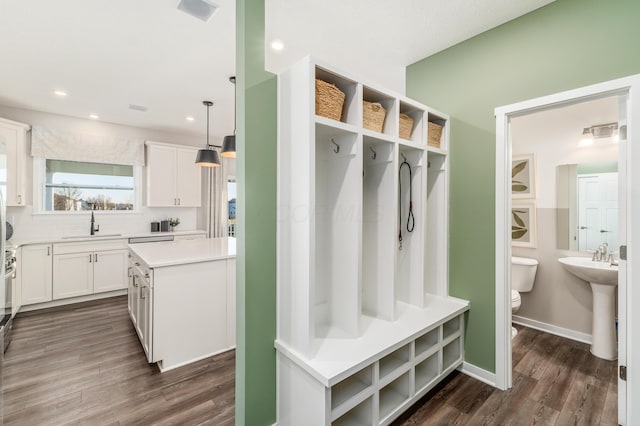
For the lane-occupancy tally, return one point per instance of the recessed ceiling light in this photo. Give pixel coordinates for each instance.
(60, 93)
(189, 118)
(277, 45)
(93, 116)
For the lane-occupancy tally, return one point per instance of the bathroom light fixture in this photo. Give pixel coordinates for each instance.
(208, 157)
(229, 142)
(599, 131)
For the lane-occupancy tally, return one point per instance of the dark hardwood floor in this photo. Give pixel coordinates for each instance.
(556, 381)
(84, 365)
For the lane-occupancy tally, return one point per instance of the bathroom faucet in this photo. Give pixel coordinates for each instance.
(600, 255)
(94, 228)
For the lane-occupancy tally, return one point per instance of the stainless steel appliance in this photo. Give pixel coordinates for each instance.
(6, 322)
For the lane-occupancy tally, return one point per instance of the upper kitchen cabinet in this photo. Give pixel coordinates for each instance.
(14, 136)
(173, 179)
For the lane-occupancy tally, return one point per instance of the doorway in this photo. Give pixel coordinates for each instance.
(627, 89)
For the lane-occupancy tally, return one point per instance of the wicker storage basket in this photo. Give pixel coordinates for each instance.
(434, 133)
(406, 125)
(329, 100)
(373, 117)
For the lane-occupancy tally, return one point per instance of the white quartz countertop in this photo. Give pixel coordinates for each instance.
(98, 237)
(171, 253)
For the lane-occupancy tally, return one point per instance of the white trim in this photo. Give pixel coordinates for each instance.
(478, 373)
(72, 300)
(629, 86)
(553, 329)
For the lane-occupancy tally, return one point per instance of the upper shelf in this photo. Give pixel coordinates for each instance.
(375, 112)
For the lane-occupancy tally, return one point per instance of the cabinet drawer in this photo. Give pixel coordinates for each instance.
(81, 247)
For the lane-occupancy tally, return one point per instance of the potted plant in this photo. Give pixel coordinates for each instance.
(173, 222)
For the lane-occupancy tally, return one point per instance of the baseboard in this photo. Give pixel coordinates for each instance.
(72, 300)
(552, 329)
(479, 374)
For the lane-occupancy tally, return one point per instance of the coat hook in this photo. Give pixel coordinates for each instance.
(337, 148)
(404, 158)
(373, 157)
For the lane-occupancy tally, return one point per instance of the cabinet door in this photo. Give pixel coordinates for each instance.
(161, 176)
(188, 178)
(14, 138)
(130, 292)
(36, 273)
(135, 301)
(109, 270)
(72, 275)
(146, 328)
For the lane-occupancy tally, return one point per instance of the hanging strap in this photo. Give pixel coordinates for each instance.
(411, 222)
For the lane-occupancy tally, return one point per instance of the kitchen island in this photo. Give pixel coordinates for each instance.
(182, 299)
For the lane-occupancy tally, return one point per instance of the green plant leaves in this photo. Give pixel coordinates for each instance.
(517, 168)
(518, 230)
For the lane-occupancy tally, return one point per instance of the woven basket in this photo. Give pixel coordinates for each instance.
(406, 125)
(329, 100)
(373, 117)
(434, 134)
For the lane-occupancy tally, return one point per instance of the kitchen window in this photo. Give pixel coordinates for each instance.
(79, 186)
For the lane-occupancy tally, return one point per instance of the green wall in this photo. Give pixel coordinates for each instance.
(256, 262)
(565, 45)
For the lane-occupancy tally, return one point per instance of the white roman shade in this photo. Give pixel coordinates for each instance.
(87, 147)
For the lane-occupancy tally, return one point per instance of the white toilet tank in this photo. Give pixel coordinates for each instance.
(523, 273)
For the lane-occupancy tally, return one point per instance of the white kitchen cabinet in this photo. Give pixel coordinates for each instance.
(366, 325)
(173, 179)
(36, 273)
(109, 270)
(88, 268)
(72, 275)
(14, 136)
(133, 291)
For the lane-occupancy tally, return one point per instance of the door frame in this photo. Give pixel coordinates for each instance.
(629, 154)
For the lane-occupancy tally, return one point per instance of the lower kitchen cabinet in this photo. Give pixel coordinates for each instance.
(78, 274)
(36, 273)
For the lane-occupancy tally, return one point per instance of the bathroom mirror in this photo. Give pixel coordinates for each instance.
(587, 206)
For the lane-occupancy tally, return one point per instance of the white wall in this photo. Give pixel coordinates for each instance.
(30, 226)
(558, 298)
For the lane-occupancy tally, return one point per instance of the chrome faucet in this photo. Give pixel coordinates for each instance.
(94, 228)
(600, 255)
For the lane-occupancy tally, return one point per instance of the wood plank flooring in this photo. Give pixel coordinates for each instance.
(83, 365)
(556, 381)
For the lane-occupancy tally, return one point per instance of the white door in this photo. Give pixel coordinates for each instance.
(72, 275)
(598, 211)
(36, 269)
(188, 178)
(110, 270)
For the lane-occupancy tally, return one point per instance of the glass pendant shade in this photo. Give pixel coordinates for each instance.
(208, 158)
(229, 146)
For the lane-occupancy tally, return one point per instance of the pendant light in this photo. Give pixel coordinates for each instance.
(208, 157)
(229, 142)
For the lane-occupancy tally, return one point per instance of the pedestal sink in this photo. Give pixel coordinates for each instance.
(603, 279)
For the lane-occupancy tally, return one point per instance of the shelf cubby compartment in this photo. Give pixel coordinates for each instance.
(436, 241)
(417, 135)
(410, 253)
(351, 110)
(451, 327)
(351, 387)
(395, 361)
(426, 372)
(427, 342)
(360, 415)
(451, 353)
(378, 237)
(442, 122)
(389, 103)
(393, 396)
(337, 235)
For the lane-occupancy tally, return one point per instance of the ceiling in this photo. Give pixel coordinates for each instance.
(110, 54)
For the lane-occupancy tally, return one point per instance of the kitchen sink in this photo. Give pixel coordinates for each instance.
(78, 237)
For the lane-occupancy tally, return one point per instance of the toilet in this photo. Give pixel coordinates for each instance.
(523, 274)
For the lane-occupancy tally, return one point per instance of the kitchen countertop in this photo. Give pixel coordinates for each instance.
(17, 243)
(171, 253)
